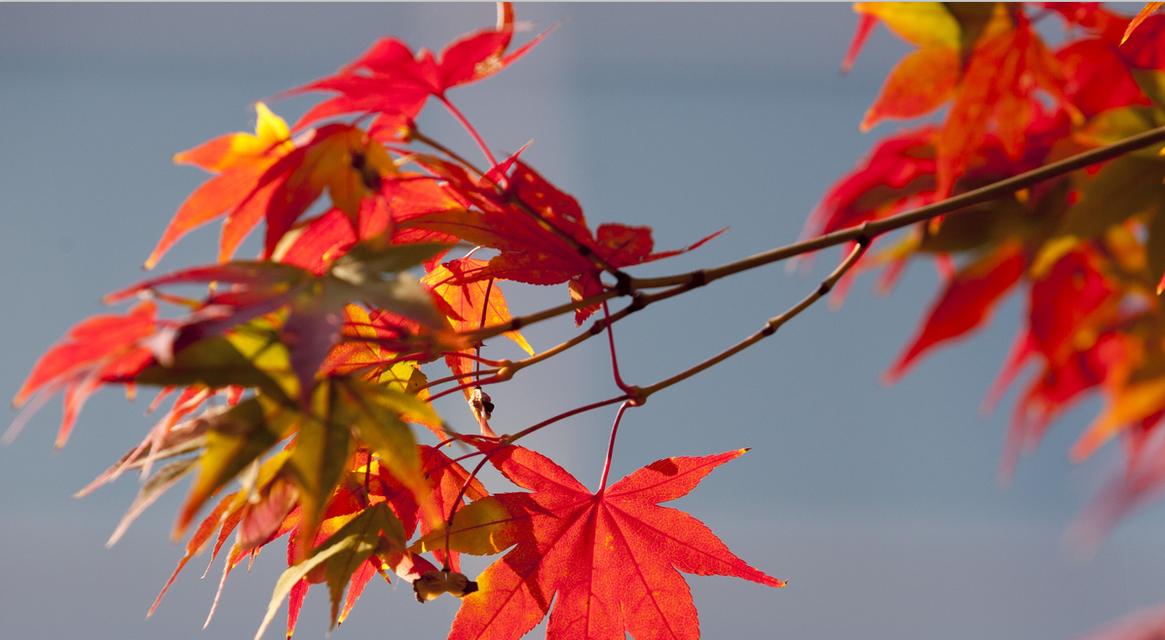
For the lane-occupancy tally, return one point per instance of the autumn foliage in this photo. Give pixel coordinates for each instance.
(294, 383)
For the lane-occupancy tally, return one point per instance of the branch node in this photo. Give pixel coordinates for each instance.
(638, 301)
(623, 284)
(864, 237)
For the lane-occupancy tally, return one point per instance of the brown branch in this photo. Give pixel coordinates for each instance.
(774, 323)
(637, 396)
(861, 235)
(867, 230)
(873, 229)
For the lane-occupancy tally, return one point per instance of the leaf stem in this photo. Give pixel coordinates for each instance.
(469, 128)
(457, 503)
(458, 377)
(611, 444)
(623, 386)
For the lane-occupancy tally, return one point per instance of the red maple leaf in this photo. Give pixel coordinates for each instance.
(102, 349)
(392, 81)
(610, 561)
(529, 221)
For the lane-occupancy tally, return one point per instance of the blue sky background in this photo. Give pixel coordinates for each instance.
(879, 504)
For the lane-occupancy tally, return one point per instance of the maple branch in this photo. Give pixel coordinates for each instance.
(639, 302)
(869, 230)
(872, 229)
(774, 323)
(637, 396)
(861, 235)
(514, 324)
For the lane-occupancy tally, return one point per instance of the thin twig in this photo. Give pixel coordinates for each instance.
(774, 323)
(470, 129)
(623, 386)
(459, 377)
(871, 230)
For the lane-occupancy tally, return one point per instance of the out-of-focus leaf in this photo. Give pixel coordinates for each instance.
(919, 84)
(480, 528)
(343, 551)
(234, 440)
(964, 304)
(318, 460)
(248, 358)
(151, 490)
(920, 23)
(374, 413)
(1121, 189)
(1149, 9)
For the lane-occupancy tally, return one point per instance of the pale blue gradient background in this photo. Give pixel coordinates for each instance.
(880, 505)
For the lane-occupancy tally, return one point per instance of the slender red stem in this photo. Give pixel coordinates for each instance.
(489, 287)
(566, 414)
(457, 503)
(458, 377)
(464, 386)
(470, 129)
(623, 386)
(461, 438)
(507, 440)
(367, 471)
(611, 444)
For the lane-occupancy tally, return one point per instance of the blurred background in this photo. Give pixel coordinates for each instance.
(879, 504)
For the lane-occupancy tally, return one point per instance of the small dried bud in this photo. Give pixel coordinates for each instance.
(481, 403)
(432, 584)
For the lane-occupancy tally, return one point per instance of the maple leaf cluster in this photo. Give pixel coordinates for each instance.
(295, 381)
(1086, 249)
(299, 376)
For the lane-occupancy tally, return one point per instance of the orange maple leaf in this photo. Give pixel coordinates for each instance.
(238, 159)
